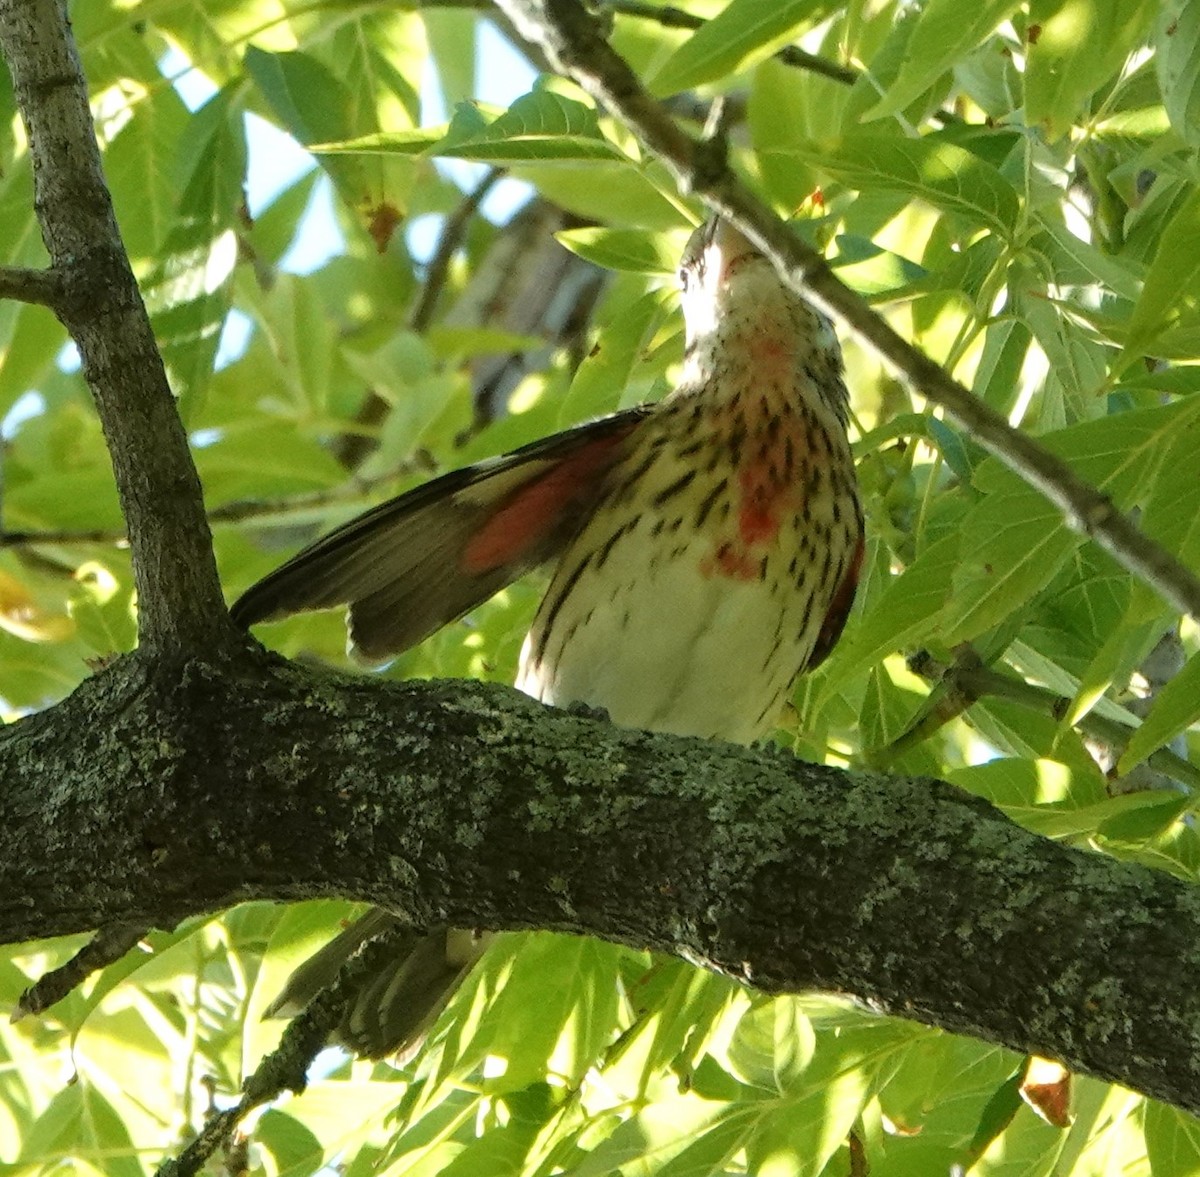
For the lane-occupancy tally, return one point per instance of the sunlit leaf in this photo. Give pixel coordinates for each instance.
(1177, 66)
(931, 169)
(1075, 49)
(1171, 294)
(723, 44)
(943, 34)
(543, 125)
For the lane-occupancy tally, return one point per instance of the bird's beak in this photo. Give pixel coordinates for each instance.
(729, 245)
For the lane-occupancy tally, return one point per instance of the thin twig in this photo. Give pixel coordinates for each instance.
(286, 1067)
(43, 287)
(571, 38)
(453, 230)
(29, 539)
(241, 511)
(676, 18)
(349, 491)
(968, 680)
(107, 945)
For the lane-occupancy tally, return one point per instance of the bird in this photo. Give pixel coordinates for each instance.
(703, 553)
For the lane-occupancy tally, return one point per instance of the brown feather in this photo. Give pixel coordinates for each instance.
(414, 563)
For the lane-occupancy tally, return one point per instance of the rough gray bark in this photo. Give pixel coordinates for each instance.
(159, 790)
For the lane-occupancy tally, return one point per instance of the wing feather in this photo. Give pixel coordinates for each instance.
(838, 612)
(418, 561)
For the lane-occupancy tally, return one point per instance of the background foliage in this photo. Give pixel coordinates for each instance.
(1014, 185)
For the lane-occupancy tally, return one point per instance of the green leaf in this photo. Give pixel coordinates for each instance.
(871, 271)
(292, 1146)
(1172, 512)
(553, 1006)
(946, 31)
(903, 615)
(102, 609)
(1175, 709)
(1069, 260)
(1178, 65)
(931, 168)
(613, 192)
(542, 125)
(305, 95)
(385, 143)
(661, 1132)
(28, 354)
(271, 459)
(1172, 1140)
(318, 107)
(1040, 785)
(783, 109)
(623, 249)
(997, 377)
(80, 1122)
(1015, 541)
(1174, 381)
(1123, 649)
(138, 166)
(188, 292)
(1171, 295)
(773, 1045)
(452, 42)
(1132, 815)
(724, 44)
(1078, 45)
(604, 373)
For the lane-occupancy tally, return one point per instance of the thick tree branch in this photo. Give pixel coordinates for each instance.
(155, 793)
(179, 597)
(571, 37)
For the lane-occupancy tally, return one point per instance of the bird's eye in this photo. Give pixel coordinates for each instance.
(684, 273)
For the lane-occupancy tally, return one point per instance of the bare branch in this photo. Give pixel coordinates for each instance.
(41, 287)
(29, 539)
(179, 597)
(286, 1067)
(107, 945)
(968, 680)
(453, 231)
(571, 38)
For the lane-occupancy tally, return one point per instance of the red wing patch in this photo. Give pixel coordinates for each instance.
(533, 512)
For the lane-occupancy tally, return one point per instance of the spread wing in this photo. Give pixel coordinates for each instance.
(416, 562)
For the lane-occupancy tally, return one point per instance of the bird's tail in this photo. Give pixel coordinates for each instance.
(394, 1006)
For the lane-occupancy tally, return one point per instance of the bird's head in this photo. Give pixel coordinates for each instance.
(718, 266)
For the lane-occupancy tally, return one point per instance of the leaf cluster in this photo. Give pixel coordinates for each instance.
(1015, 187)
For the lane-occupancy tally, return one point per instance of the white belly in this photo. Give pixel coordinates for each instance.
(661, 645)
